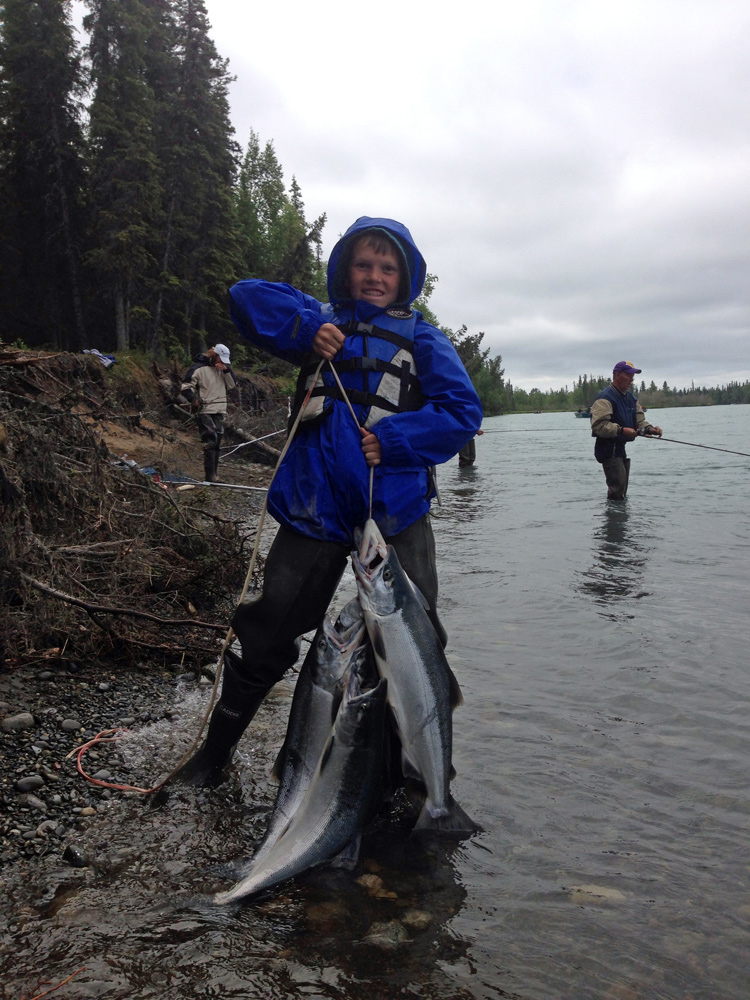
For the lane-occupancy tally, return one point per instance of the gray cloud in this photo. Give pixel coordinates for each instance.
(577, 174)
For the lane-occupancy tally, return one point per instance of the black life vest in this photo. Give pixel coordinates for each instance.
(379, 379)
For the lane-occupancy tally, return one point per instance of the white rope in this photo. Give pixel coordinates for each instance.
(354, 418)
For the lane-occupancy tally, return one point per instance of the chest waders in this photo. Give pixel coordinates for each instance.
(610, 452)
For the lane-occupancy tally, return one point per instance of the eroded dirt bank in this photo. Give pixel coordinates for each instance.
(116, 584)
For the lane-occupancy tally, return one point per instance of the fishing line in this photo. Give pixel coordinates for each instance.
(692, 444)
(254, 441)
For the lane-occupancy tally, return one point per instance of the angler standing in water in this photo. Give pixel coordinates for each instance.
(416, 408)
(616, 418)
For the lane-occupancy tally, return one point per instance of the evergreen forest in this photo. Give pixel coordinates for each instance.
(129, 207)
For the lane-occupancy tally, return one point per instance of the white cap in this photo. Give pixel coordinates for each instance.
(223, 351)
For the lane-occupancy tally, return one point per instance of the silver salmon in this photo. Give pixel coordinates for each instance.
(317, 696)
(344, 794)
(422, 689)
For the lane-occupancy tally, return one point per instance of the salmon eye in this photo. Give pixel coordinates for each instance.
(387, 574)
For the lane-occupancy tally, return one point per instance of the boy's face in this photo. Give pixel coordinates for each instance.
(374, 276)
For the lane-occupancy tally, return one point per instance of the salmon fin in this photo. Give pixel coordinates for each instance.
(338, 697)
(348, 858)
(326, 753)
(456, 698)
(278, 765)
(378, 643)
(408, 769)
(450, 821)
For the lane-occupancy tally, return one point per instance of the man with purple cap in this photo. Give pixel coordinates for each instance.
(616, 418)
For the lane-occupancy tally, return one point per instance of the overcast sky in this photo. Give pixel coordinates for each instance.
(577, 174)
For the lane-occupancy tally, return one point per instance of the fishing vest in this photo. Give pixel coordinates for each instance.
(387, 353)
(623, 413)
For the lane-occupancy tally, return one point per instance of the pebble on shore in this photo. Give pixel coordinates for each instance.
(43, 717)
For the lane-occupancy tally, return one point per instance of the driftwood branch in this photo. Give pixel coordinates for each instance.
(103, 609)
(97, 548)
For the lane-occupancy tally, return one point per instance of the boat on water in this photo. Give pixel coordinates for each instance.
(583, 413)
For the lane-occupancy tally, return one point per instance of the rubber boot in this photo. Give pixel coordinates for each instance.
(229, 720)
(209, 465)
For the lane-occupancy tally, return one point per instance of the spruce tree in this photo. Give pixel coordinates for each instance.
(41, 175)
(125, 177)
(198, 245)
(260, 203)
(277, 242)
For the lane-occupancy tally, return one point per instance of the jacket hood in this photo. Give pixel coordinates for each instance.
(338, 265)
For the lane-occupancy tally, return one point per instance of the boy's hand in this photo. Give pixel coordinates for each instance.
(370, 447)
(328, 341)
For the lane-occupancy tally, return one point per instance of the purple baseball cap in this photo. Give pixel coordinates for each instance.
(626, 366)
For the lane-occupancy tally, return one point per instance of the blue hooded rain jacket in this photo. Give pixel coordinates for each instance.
(321, 488)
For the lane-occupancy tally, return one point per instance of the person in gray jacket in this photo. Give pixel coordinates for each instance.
(205, 387)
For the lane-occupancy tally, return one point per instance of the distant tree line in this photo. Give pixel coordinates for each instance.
(586, 388)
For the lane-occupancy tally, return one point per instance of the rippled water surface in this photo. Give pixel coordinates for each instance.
(603, 744)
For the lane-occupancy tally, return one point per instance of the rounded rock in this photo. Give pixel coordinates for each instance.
(30, 783)
(75, 856)
(33, 802)
(14, 723)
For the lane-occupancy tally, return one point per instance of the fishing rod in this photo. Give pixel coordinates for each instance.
(655, 437)
(226, 486)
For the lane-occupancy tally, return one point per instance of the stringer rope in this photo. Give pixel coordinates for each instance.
(354, 418)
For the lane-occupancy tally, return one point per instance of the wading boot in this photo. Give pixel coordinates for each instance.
(210, 464)
(216, 464)
(229, 720)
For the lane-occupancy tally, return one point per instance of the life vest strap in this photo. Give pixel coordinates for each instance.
(369, 330)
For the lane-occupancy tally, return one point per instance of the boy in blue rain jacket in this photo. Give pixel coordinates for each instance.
(415, 408)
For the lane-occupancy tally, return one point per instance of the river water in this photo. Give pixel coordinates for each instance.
(603, 744)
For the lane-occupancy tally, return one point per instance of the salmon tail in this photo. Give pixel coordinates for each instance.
(449, 820)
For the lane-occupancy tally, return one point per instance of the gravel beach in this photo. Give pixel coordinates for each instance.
(46, 714)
